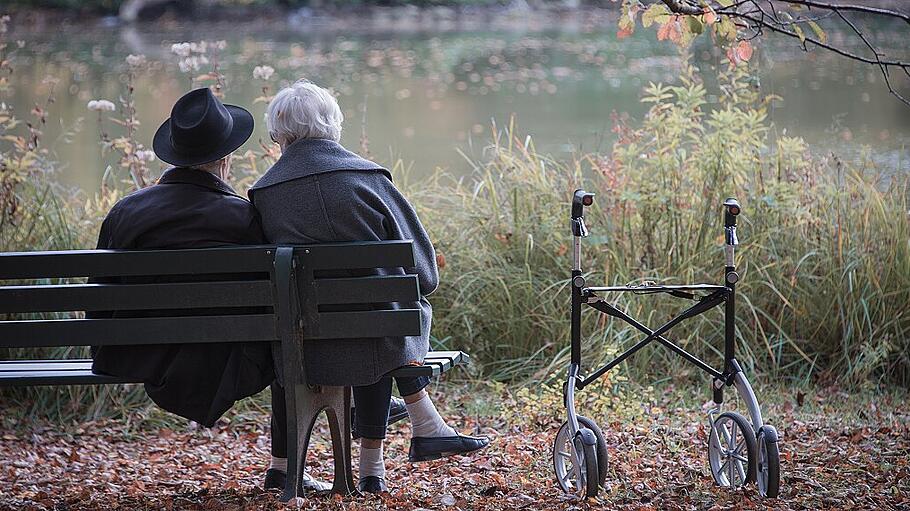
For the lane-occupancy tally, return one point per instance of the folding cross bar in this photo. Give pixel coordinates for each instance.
(705, 304)
(708, 296)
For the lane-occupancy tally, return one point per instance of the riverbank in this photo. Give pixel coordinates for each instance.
(227, 10)
(824, 261)
(352, 18)
(426, 92)
(333, 14)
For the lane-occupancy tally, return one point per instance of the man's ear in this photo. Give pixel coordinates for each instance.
(225, 168)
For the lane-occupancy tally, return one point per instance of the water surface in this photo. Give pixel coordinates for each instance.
(426, 88)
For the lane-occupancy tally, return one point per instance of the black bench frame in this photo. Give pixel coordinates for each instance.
(283, 278)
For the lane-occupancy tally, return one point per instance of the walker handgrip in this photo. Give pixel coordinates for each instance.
(731, 210)
(579, 201)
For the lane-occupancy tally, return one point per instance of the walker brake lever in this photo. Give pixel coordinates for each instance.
(730, 236)
(579, 228)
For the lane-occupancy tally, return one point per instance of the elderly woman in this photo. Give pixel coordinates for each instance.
(318, 191)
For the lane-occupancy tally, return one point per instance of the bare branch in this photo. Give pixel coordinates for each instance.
(683, 7)
(757, 15)
(856, 8)
(875, 52)
(877, 61)
(820, 44)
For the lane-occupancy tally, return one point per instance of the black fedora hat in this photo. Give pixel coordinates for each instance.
(201, 129)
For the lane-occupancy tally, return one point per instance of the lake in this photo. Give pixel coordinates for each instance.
(425, 86)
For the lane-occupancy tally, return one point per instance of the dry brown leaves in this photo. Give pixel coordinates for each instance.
(660, 464)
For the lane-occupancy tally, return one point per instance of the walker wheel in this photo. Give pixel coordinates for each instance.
(768, 476)
(732, 450)
(582, 480)
(602, 456)
(590, 460)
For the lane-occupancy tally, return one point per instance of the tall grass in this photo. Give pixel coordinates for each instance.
(50, 219)
(824, 260)
(825, 254)
(38, 214)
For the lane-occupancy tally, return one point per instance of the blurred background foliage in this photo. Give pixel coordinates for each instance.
(113, 6)
(825, 259)
(825, 254)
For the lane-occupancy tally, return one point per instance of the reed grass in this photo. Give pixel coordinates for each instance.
(824, 294)
(824, 261)
(49, 218)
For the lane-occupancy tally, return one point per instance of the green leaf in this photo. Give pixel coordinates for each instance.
(627, 20)
(799, 33)
(695, 25)
(656, 13)
(822, 36)
(725, 3)
(725, 29)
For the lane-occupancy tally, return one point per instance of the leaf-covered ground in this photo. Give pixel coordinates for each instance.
(838, 452)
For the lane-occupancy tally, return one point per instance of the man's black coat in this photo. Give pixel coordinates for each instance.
(188, 208)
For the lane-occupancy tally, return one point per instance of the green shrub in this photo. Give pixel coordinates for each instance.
(824, 259)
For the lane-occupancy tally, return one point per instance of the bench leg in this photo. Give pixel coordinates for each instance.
(307, 404)
(295, 465)
(338, 412)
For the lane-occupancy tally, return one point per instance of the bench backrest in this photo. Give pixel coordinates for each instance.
(280, 286)
(341, 297)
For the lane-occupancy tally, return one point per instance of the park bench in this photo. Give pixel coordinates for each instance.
(289, 295)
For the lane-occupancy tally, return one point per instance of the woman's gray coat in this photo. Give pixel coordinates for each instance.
(319, 192)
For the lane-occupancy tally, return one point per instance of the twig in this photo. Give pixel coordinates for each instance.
(877, 61)
(758, 18)
(682, 7)
(875, 52)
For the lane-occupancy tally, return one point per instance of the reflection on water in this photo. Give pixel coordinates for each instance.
(427, 90)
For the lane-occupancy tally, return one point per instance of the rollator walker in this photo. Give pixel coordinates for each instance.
(740, 450)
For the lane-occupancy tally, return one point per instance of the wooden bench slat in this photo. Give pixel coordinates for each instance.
(112, 263)
(49, 377)
(436, 356)
(10, 367)
(247, 259)
(110, 297)
(375, 289)
(79, 371)
(13, 366)
(428, 370)
(449, 360)
(366, 324)
(446, 363)
(456, 356)
(122, 331)
(357, 255)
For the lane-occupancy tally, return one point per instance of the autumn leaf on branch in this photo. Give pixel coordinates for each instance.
(741, 52)
(742, 21)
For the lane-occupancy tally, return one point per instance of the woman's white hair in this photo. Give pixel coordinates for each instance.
(304, 110)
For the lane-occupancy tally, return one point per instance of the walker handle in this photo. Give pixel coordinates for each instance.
(731, 210)
(580, 200)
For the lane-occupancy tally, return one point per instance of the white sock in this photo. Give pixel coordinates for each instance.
(426, 421)
(280, 464)
(371, 462)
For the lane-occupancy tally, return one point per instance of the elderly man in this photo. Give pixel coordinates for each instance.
(320, 192)
(192, 206)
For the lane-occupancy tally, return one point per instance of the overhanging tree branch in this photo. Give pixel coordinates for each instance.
(757, 17)
(856, 8)
(683, 7)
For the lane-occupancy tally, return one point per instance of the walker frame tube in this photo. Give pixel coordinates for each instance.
(706, 297)
(730, 375)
